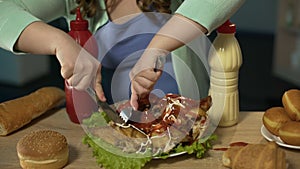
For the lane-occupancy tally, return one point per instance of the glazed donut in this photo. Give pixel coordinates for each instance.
(291, 103)
(290, 133)
(274, 118)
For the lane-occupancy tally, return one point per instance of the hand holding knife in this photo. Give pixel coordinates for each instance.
(127, 113)
(110, 112)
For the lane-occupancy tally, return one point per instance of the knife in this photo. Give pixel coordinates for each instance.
(110, 112)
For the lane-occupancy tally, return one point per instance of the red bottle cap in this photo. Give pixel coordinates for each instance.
(227, 28)
(79, 24)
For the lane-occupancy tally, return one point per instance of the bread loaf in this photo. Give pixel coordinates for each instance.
(16, 113)
(291, 103)
(255, 156)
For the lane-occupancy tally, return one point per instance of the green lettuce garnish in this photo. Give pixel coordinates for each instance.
(97, 119)
(106, 154)
(110, 160)
(111, 157)
(199, 147)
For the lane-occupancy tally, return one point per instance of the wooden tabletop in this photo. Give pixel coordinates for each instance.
(247, 130)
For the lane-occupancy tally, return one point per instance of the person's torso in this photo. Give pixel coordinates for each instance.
(121, 45)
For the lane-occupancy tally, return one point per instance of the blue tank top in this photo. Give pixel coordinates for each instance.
(121, 45)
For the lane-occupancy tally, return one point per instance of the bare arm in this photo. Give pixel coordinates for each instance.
(178, 31)
(77, 65)
(41, 38)
(192, 18)
(166, 40)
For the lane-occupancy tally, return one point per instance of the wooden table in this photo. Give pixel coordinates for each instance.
(248, 130)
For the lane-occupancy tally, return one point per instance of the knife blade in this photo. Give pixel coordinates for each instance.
(110, 112)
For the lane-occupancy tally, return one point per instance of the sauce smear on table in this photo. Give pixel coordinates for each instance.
(231, 145)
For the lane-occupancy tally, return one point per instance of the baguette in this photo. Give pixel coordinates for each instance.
(16, 113)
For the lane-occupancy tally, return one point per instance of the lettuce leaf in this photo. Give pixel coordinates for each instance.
(110, 160)
(97, 119)
(106, 154)
(199, 148)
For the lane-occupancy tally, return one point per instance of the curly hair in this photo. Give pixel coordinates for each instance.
(90, 7)
(162, 6)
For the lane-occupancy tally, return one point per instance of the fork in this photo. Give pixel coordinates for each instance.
(130, 114)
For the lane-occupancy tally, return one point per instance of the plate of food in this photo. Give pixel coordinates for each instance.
(270, 137)
(281, 124)
(177, 126)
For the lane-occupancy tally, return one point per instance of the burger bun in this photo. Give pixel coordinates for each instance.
(44, 149)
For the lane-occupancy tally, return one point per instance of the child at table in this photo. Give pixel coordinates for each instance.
(23, 29)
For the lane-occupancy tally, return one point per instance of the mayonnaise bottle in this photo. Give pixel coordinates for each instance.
(225, 60)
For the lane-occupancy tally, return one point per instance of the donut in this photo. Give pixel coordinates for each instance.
(290, 133)
(274, 118)
(291, 103)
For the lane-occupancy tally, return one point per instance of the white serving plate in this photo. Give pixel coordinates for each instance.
(270, 137)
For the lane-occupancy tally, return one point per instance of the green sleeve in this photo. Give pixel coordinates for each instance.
(209, 13)
(16, 15)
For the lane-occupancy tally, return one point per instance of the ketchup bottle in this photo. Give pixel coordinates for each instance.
(79, 104)
(225, 64)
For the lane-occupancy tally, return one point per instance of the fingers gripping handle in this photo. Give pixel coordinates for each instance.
(159, 63)
(144, 102)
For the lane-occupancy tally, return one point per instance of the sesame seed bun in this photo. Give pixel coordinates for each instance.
(45, 149)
